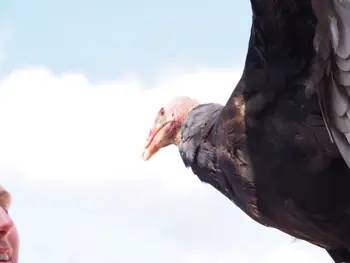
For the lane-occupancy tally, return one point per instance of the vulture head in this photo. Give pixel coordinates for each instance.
(166, 128)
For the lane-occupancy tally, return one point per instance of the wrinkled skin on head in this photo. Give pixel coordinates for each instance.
(167, 125)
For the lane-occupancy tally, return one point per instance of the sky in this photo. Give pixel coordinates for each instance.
(80, 85)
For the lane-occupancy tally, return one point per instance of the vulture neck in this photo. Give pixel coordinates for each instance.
(194, 141)
(186, 110)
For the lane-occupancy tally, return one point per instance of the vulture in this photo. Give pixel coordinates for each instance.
(279, 148)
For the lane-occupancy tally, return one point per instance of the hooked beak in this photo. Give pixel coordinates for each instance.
(155, 139)
(149, 152)
(151, 144)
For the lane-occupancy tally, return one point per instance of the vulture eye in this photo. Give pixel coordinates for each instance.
(161, 112)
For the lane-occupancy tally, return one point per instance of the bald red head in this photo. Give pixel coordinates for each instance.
(167, 125)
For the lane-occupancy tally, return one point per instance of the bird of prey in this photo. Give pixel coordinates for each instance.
(279, 149)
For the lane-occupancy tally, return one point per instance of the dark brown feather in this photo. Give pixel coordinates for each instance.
(298, 177)
(268, 149)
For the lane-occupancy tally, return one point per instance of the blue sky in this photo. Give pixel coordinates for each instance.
(106, 39)
(81, 82)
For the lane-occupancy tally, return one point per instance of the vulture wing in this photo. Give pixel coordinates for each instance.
(274, 135)
(279, 58)
(293, 43)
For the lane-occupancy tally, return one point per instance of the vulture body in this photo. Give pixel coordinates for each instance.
(279, 148)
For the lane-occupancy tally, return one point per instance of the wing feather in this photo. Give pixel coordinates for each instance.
(343, 64)
(342, 105)
(338, 79)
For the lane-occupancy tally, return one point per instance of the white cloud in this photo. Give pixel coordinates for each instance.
(65, 129)
(63, 132)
